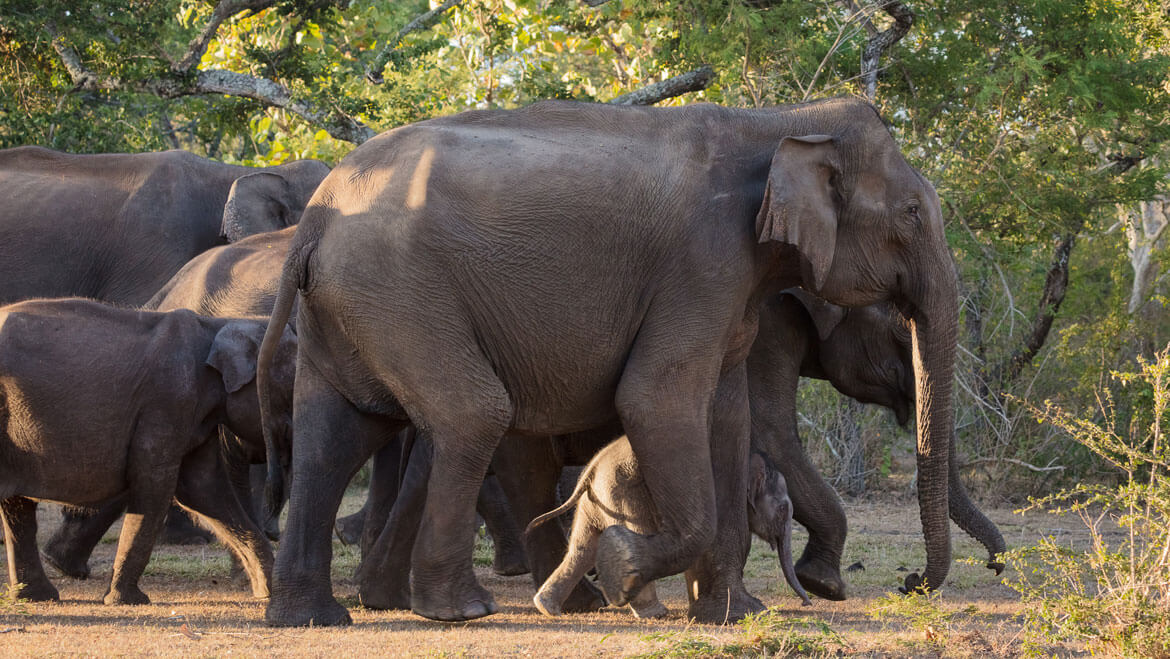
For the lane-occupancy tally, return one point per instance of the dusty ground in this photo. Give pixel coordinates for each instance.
(197, 612)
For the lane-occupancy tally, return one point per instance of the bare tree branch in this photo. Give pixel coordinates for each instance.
(880, 42)
(1055, 286)
(223, 11)
(692, 81)
(420, 22)
(216, 81)
(1014, 461)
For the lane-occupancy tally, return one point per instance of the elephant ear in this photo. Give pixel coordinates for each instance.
(233, 353)
(800, 202)
(825, 315)
(757, 478)
(256, 203)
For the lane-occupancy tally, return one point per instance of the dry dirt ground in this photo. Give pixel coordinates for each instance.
(196, 611)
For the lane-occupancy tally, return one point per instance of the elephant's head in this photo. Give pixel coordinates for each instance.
(867, 227)
(864, 352)
(270, 199)
(770, 514)
(233, 354)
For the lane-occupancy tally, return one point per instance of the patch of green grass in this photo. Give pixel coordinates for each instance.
(10, 604)
(769, 633)
(484, 551)
(922, 612)
(212, 562)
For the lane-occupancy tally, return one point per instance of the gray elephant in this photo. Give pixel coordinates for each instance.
(115, 227)
(240, 279)
(866, 354)
(100, 401)
(571, 266)
(612, 491)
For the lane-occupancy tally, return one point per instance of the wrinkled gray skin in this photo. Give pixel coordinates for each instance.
(612, 491)
(84, 424)
(570, 266)
(865, 353)
(116, 227)
(240, 279)
(234, 280)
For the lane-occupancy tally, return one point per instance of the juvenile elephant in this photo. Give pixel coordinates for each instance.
(233, 280)
(612, 491)
(569, 266)
(114, 227)
(97, 401)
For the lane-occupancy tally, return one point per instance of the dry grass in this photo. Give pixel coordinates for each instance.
(197, 612)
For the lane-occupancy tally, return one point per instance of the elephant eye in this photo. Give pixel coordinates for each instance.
(913, 211)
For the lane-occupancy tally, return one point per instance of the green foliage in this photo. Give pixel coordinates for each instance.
(769, 633)
(10, 603)
(1115, 593)
(922, 612)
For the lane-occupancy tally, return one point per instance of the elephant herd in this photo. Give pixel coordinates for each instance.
(491, 294)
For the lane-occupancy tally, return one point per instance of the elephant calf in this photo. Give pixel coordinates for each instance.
(611, 491)
(97, 401)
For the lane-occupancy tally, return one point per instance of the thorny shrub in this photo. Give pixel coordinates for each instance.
(1113, 595)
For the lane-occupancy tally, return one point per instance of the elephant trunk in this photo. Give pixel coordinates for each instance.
(967, 515)
(934, 334)
(785, 548)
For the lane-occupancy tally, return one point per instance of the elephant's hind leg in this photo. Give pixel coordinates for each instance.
(467, 415)
(24, 564)
(579, 559)
(332, 439)
(204, 487)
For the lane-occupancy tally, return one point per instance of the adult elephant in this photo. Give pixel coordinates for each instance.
(864, 352)
(568, 266)
(115, 227)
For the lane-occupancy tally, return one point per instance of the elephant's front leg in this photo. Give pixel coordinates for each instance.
(24, 564)
(665, 415)
(718, 590)
(148, 499)
(70, 546)
(331, 440)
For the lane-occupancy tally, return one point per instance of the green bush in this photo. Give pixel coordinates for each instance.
(1114, 594)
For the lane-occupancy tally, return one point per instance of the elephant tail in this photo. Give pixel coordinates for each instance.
(582, 487)
(293, 278)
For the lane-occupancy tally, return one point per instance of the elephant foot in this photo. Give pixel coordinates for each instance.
(300, 612)
(126, 596)
(655, 610)
(821, 580)
(914, 584)
(546, 604)
(724, 610)
(65, 561)
(42, 591)
(272, 528)
(993, 564)
(384, 597)
(509, 562)
(349, 528)
(584, 598)
(617, 573)
(453, 604)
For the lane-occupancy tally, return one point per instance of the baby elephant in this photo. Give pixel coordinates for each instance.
(611, 491)
(97, 401)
